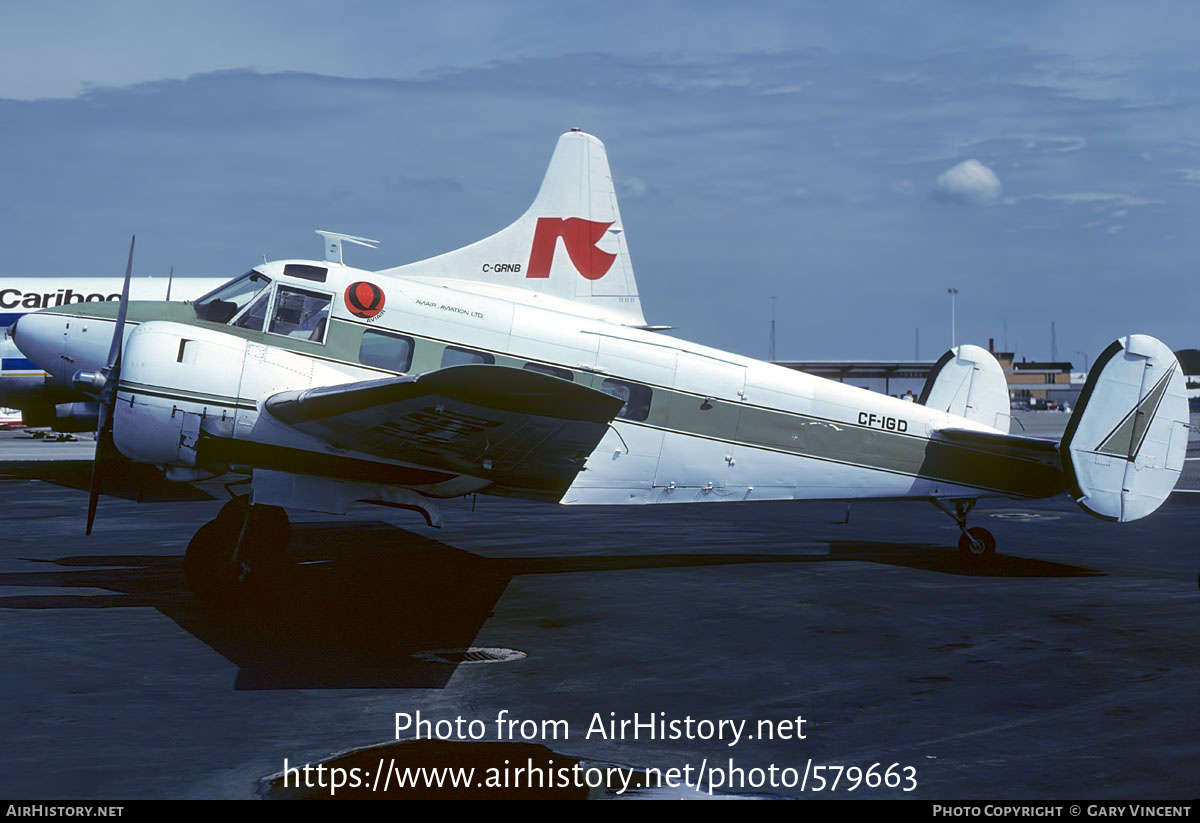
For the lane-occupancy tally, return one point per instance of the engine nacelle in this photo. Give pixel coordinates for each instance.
(81, 416)
(36, 398)
(176, 381)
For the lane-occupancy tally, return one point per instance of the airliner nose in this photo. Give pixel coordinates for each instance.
(41, 338)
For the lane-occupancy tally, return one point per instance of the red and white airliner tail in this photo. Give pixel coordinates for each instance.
(566, 252)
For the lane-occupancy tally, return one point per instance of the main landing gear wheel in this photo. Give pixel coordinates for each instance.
(977, 544)
(240, 550)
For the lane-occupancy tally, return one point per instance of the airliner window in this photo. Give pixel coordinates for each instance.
(387, 351)
(455, 356)
(636, 397)
(222, 303)
(553, 371)
(254, 317)
(300, 314)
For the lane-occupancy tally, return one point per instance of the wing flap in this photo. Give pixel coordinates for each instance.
(525, 432)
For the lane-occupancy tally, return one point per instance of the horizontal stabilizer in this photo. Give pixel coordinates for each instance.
(1124, 446)
(967, 381)
(519, 429)
(1026, 448)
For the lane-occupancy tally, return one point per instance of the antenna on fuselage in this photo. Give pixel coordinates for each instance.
(333, 244)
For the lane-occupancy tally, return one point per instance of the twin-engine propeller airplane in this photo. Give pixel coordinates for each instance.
(521, 365)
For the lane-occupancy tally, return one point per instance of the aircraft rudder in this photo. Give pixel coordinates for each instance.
(1124, 447)
(968, 381)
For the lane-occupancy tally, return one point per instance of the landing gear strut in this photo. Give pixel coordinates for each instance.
(239, 550)
(976, 543)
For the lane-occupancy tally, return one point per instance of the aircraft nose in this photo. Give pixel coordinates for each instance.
(41, 337)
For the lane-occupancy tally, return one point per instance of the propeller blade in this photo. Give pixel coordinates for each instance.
(114, 350)
(170, 277)
(106, 448)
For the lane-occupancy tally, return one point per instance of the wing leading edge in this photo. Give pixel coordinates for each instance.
(527, 433)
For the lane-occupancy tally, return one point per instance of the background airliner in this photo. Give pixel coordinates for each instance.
(24, 399)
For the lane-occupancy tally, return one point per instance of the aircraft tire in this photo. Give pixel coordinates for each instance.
(973, 553)
(208, 564)
(266, 542)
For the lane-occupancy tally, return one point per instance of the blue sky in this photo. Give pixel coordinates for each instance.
(854, 159)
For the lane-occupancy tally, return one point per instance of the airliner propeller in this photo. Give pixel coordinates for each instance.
(106, 450)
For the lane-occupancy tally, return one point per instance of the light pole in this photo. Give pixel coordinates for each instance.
(772, 347)
(1085, 366)
(953, 337)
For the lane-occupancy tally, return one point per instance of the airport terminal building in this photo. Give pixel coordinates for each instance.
(1032, 384)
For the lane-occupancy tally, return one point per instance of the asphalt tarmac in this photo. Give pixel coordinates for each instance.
(1067, 669)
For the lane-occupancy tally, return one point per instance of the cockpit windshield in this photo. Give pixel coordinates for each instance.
(219, 305)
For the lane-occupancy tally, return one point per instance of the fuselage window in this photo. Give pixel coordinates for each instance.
(254, 317)
(387, 351)
(222, 303)
(303, 271)
(300, 314)
(636, 397)
(553, 371)
(456, 356)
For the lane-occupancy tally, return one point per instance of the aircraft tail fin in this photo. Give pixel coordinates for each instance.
(967, 381)
(567, 250)
(1124, 447)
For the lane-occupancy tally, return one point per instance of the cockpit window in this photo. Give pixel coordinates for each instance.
(254, 317)
(221, 304)
(300, 313)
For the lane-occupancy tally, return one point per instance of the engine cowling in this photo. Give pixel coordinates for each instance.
(37, 399)
(176, 381)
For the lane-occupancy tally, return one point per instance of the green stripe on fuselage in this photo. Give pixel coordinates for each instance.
(737, 423)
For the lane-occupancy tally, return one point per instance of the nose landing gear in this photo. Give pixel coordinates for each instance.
(240, 550)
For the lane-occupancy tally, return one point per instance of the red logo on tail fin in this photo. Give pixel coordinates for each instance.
(579, 236)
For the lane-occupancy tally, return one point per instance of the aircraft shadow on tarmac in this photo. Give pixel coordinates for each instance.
(127, 480)
(360, 599)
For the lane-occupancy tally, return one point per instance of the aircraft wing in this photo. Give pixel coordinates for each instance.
(520, 429)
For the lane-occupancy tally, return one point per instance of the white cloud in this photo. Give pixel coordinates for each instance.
(969, 182)
(1105, 198)
(634, 188)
